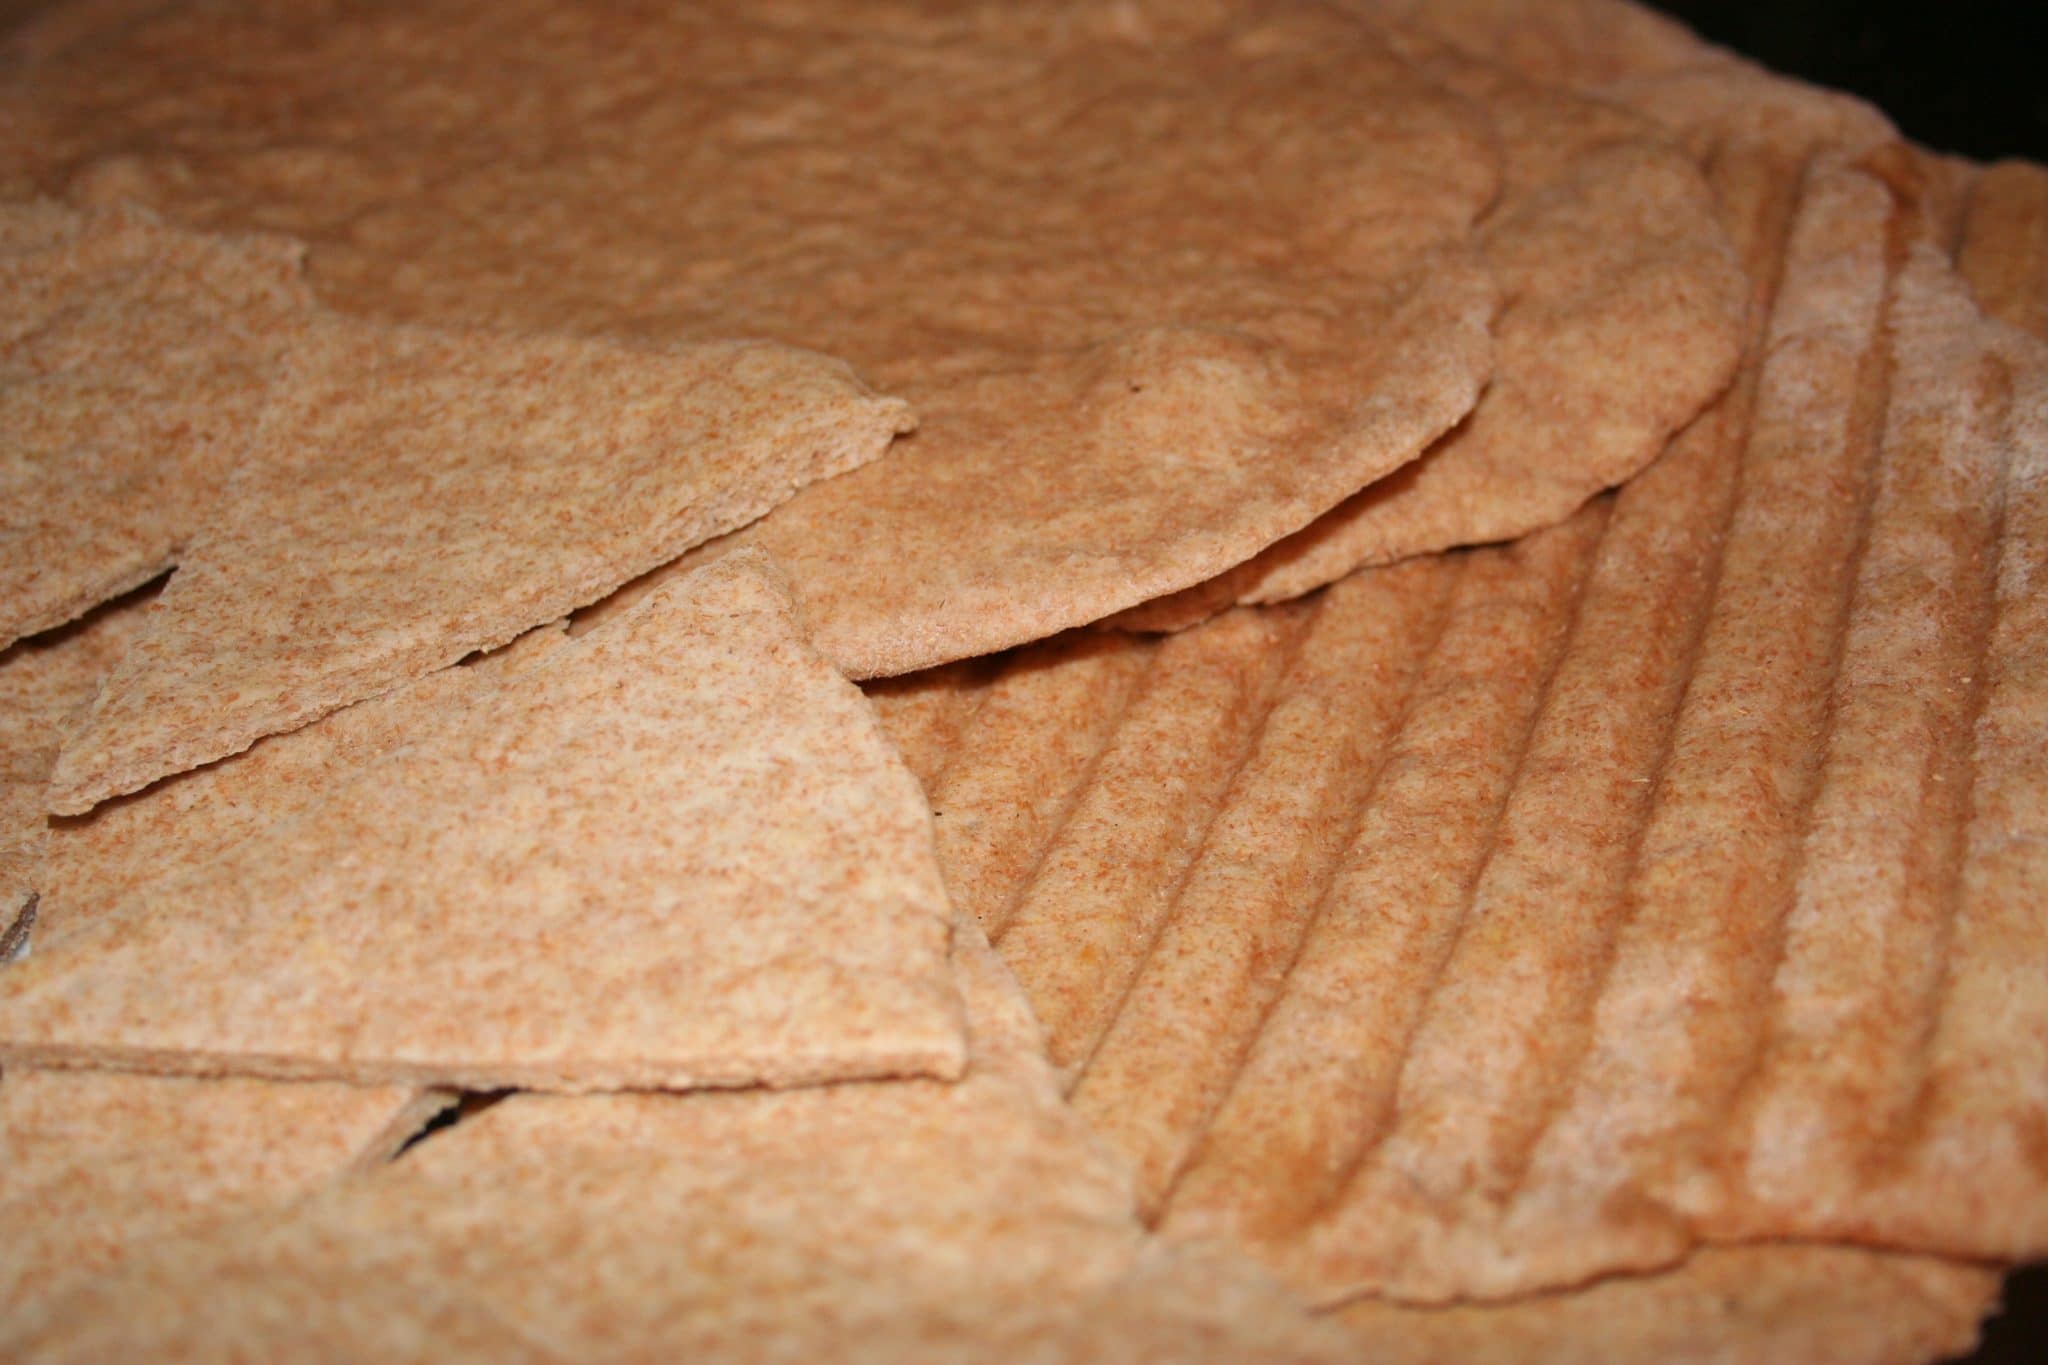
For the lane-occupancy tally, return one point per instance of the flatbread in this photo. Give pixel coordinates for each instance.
(1946, 185)
(42, 683)
(677, 852)
(1515, 917)
(1792, 1305)
(2004, 254)
(112, 856)
(1632, 55)
(413, 495)
(544, 1227)
(1148, 331)
(923, 712)
(134, 359)
(1622, 317)
(94, 1165)
(893, 1221)
(1406, 662)
(1560, 42)
(1936, 766)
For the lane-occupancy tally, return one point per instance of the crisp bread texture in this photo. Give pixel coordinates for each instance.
(892, 1221)
(134, 360)
(1137, 358)
(112, 856)
(676, 852)
(413, 495)
(1521, 923)
(43, 683)
(633, 1227)
(96, 1164)
(1504, 919)
(1622, 316)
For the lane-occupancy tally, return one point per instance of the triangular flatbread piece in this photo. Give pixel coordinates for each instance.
(889, 1221)
(43, 682)
(96, 1163)
(99, 861)
(676, 852)
(134, 360)
(412, 495)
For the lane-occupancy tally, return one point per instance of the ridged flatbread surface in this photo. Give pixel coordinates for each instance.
(675, 852)
(43, 683)
(1525, 923)
(134, 359)
(1503, 919)
(410, 495)
(96, 1164)
(1622, 316)
(1164, 286)
(899, 1221)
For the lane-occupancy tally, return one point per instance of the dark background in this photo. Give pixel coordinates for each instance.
(1962, 77)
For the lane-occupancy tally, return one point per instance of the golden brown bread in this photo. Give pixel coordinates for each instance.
(105, 859)
(94, 1165)
(1148, 331)
(1661, 878)
(1659, 796)
(137, 358)
(908, 1220)
(43, 682)
(675, 852)
(1622, 316)
(410, 496)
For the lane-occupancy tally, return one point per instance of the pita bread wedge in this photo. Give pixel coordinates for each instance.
(411, 496)
(1148, 331)
(1622, 315)
(43, 682)
(1657, 880)
(677, 852)
(134, 359)
(103, 860)
(1793, 1305)
(881, 1221)
(94, 1164)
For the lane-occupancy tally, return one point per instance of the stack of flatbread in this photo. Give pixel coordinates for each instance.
(1450, 755)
